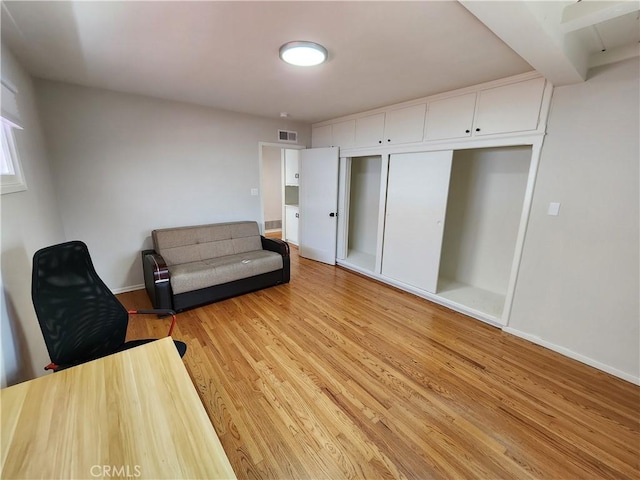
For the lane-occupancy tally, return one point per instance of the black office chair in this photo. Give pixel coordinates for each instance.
(80, 318)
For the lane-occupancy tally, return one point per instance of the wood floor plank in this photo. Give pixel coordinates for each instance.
(338, 376)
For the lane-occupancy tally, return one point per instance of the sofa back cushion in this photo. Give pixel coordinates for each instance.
(202, 242)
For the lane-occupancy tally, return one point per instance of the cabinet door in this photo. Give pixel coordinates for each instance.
(405, 125)
(321, 136)
(450, 117)
(417, 191)
(343, 134)
(291, 224)
(510, 108)
(369, 130)
(291, 160)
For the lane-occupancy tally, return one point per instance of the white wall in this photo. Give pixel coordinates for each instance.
(30, 220)
(126, 164)
(272, 183)
(578, 286)
(364, 204)
(486, 194)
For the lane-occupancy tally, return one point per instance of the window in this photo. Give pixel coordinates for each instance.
(6, 165)
(10, 171)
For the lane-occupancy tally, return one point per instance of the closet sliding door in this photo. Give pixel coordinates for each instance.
(417, 191)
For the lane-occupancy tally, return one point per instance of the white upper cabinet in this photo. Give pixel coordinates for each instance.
(291, 163)
(509, 108)
(404, 125)
(450, 117)
(343, 134)
(502, 107)
(321, 136)
(369, 130)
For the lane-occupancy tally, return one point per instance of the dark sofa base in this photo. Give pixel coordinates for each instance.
(196, 298)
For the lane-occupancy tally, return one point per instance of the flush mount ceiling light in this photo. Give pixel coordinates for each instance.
(303, 54)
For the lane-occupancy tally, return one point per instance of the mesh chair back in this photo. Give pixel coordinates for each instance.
(79, 317)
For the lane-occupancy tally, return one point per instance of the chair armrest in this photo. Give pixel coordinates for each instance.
(158, 266)
(275, 245)
(154, 311)
(157, 311)
(281, 247)
(157, 279)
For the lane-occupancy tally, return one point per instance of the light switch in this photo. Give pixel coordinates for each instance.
(254, 192)
(554, 209)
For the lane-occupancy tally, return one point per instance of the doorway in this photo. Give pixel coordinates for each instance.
(279, 190)
(272, 190)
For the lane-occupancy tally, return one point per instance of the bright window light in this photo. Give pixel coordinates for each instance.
(6, 162)
(11, 179)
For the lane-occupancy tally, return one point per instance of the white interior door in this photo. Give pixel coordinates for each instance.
(318, 204)
(417, 192)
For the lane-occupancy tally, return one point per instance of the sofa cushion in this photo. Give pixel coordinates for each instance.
(215, 271)
(193, 244)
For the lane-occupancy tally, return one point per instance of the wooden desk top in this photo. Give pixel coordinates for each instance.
(134, 414)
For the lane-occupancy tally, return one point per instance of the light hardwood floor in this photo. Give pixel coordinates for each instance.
(337, 376)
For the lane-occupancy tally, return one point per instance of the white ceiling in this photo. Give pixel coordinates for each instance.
(225, 54)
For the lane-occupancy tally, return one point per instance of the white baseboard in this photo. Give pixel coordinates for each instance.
(571, 354)
(130, 288)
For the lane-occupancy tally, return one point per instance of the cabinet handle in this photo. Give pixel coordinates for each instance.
(388, 139)
(297, 175)
(297, 215)
(379, 141)
(467, 131)
(477, 129)
(332, 214)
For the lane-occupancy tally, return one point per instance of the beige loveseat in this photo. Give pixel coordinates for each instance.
(191, 266)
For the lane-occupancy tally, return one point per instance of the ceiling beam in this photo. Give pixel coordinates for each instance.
(613, 55)
(585, 14)
(532, 30)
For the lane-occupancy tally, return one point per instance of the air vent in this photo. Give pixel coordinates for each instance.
(287, 136)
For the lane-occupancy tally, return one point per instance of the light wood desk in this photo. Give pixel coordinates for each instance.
(134, 414)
